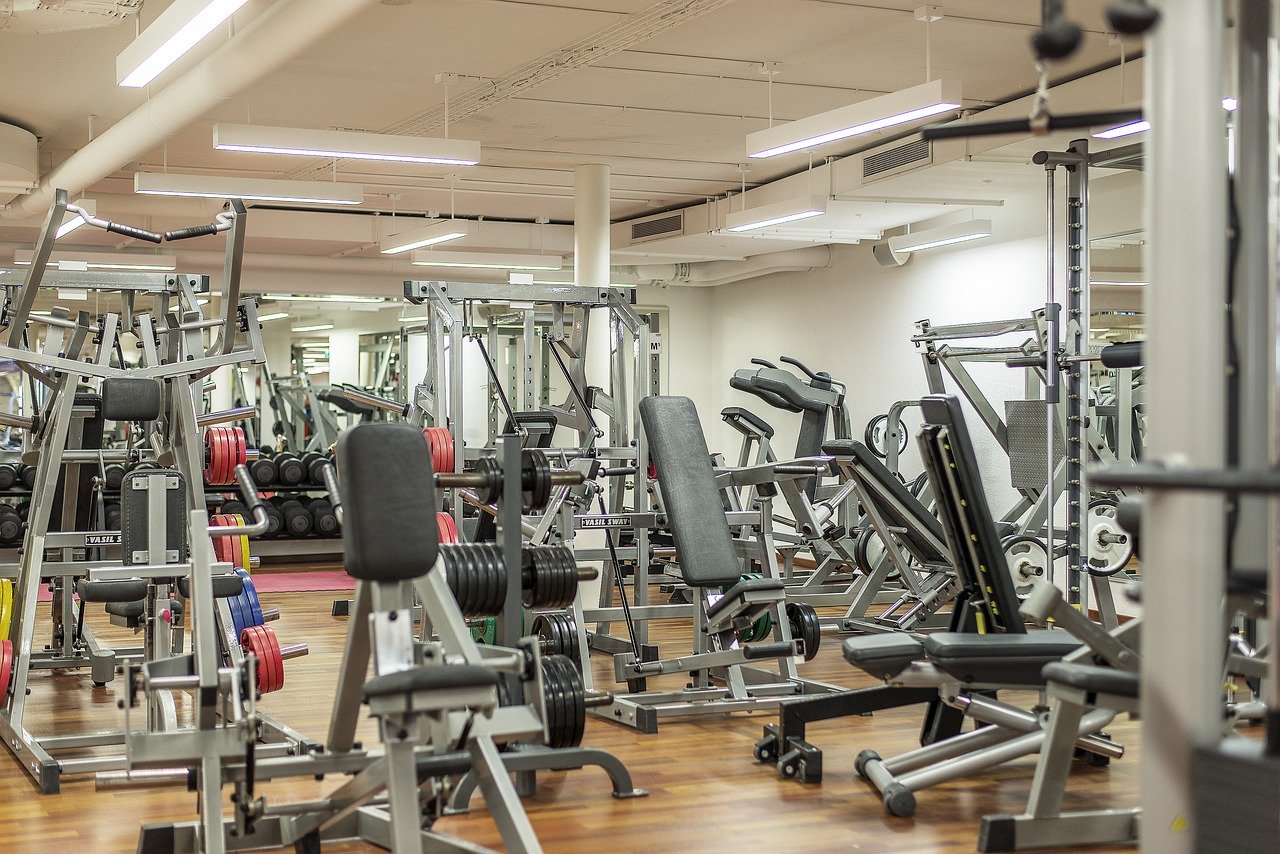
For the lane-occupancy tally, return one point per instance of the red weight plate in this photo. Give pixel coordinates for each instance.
(6, 666)
(208, 456)
(252, 641)
(214, 471)
(448, 450)
(428, 433)
(241, 448)
(274, 651)
(228, 456)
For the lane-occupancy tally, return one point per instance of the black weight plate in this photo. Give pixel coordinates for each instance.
(576, 699)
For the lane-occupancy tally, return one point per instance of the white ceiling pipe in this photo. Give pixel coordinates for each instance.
(713, 273)
(273, 38)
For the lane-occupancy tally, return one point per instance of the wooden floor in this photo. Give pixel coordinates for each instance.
(706, 792)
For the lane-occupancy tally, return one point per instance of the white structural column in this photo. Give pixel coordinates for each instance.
(344, 356)
(591, 261)
(1183, 533)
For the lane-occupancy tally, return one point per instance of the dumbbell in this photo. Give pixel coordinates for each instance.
(27, 474)
(297, 521)
(275, 520)
(22, 508)
(315, 464)
(263, 471)
(289, 469)
(10, 525)
(113, 476)
(111, 515)
(324, 521)
(234, 507)
(8, 475)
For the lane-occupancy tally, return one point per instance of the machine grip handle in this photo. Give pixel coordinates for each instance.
(136, 233)
(193, 231)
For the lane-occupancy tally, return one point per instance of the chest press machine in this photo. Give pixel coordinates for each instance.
(77, 362)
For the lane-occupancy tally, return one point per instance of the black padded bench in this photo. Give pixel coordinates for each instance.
(695, 514)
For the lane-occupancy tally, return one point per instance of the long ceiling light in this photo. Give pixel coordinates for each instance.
(275, 315)
(72, 260)
(71, 221)
(428, 235)
(895, 108)
(489, 260)
(318, 327)
(178, 29)
(346, 144)
(776, 213)
(1142, 125)
(931, 238)
(253, 189)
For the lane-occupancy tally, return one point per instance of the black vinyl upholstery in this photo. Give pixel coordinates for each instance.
(693, 505)
(966, 516)
(130, 399)
(882, 656)
(389, 505)
(1087, 677)
(905, 511)
(736, 413)
(1005, 659)
(225, 585)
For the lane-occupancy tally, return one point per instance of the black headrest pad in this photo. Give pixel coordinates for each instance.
(388, 501)
(130, 399)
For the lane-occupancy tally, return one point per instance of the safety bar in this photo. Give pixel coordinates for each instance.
(250, 492)
(1155, 476)
(236, 413)
(355, 395)
(995, 127)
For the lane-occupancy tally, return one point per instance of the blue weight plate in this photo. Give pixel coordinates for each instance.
(251, 596)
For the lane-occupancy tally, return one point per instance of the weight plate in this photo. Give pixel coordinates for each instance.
(251, 597)
(803, 621)
(6, 606)
(762, 627)
(1028, 559)
(1109, 548)
(868, 549)
(875, 436)
(6, 666)
(446, 529)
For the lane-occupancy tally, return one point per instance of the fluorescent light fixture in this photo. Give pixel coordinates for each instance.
(776, 213)
(317, 327)
(353, 145)
(178, 29)
(318, 298)
(1141, 126)
(427, 235)
(253, 189)
(275, 315)
(70, 259)
(931, 238)
(490, 260)
(1124, 130)
(895, 108)
(72, 221)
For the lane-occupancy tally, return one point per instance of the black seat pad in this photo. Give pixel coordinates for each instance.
(389, 502)
(1088, 677)
(754, 585)
(882, 656)
(434, 678)
(225, 585)
(121, 590)
(917, 516)
(693, 505)
(732, 413)
(1002, 659)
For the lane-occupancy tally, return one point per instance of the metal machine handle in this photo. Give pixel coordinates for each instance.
(194, 231)
(250, 492)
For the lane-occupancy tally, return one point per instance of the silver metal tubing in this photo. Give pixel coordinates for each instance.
(296, 650)
(250, 492)
(450, 480)
(140, 777)
(238, 413)
(329, 474)
(362, 397)
(18, 421)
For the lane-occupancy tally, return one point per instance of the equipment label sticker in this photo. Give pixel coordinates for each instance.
(103, 539)
(610, 521)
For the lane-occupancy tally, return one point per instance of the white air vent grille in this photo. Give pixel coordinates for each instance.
(659, 226)
(896, 159)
